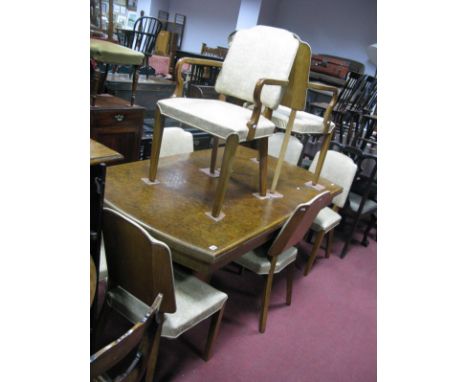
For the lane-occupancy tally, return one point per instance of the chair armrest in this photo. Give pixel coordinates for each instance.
(194, 61)
(257, 109)
(331, 104)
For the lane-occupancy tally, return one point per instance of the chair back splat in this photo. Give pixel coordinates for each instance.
(256, 53)
(298, 223)
(123, 239)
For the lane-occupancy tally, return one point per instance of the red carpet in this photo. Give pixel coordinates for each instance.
(328, 333)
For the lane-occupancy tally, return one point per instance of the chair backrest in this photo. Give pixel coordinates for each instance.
(293, 151)
(339, 169)
(140, 336)
(298, 223)
(145, 33)
(255, 53)
(175, 141)
(137, 262)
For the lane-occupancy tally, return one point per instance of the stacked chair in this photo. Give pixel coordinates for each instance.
(263, 66)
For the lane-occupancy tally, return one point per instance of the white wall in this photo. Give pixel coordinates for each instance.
(209, 21)
(248, 13)
(341, 27)
(268, 12)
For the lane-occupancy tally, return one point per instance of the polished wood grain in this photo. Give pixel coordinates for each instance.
(102, 154)
(174, 210)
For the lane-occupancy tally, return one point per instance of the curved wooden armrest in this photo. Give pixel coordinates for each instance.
(331, 104)
(252, 124)
(194, 61)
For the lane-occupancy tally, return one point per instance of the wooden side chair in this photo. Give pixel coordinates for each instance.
(269, 260)
(140, 267)
(256, 69)
(293, 151)
(111, 363)
(339, 169)
(113, 54)
(294, 120)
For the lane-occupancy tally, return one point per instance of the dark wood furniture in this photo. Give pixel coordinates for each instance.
(127, 358)
(93, 279)
(117, 125)
(102, 154)
(174, 212)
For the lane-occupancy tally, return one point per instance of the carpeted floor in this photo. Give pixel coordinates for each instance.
(328, 333)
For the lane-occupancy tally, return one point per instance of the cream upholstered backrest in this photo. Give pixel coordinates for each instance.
(175, 141)
(255, 53)
(339, 169)
(293, 151)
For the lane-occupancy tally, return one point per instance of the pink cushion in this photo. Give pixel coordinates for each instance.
(160, 64)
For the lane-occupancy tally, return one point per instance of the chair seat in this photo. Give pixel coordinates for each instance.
(110, 53)
(258, 262)
(355, 201)
(326, 220)
(195, 301)
(304, 123)
(216, 117)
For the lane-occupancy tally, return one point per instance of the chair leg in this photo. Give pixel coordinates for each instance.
(134, 83)
(96, 81)
(323, 153)
(266, 297)
(226, 168)
(329, 243)
(156, 145)
(213, 332)
(284, 146)
(153, 355)
(313, 253)
(289, 283)
(263, 166)
(214, 155)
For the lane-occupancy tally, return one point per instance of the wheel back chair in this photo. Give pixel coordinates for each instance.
(139, 268)
(281, 253)
(113, 362)
(258, 68)
(339, 169)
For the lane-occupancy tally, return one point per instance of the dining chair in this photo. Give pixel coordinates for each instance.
(256, 69)
(113, 54)
(300, 122)
(142, 266)
(339, 169)
(281, 253)
(126, 358)
(293, 152)
(176, 141)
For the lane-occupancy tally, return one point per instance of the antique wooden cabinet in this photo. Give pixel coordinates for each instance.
(117, 125)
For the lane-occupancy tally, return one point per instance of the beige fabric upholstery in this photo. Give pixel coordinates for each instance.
(339, 169)
(293, 151)
(255, 53)
(326, 220)
(258, 262)
(195, 300)
(110, 53)
(216, 117)
(355, 200)
(175, 141)
(304, 123)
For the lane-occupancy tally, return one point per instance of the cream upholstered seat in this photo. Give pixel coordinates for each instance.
(216, 117)
(339, 169)
(142, 265)
(256, 69)
(176, 141)
(293, 152)
(270, 259)
(304, 123)
(114, 54)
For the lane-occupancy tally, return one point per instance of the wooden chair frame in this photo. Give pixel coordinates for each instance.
(232, 140)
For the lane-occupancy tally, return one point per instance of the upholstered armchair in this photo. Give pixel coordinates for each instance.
(257, 69)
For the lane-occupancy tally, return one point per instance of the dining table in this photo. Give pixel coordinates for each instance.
(174, 210)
